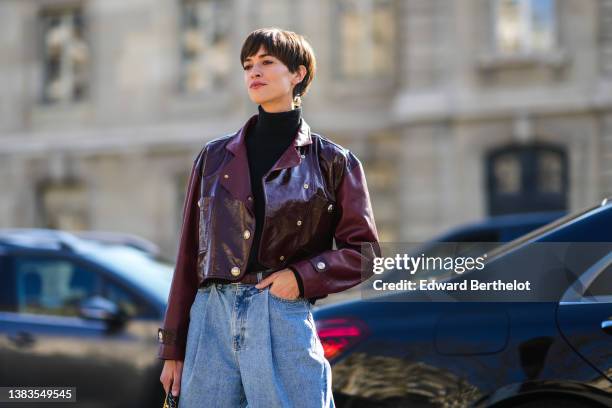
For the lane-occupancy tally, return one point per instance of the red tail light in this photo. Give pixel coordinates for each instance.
(338, 335)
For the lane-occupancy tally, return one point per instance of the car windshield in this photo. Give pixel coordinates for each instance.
(153, 275)
(493, 250)
(510, 246)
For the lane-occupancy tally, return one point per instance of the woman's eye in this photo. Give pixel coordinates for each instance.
(266, 62)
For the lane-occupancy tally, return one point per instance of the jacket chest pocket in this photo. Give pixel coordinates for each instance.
(205, 207)
(315, 224)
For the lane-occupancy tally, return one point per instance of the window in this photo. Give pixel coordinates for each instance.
(52, 286)
(365, 31)
(276, 13)
(64, 206)
(602, 285)
(126, 301)
(7, 285)
(550, 172)
(524, 178)
(205, 44)
(507, 173)
(524, 26)
(65, 55)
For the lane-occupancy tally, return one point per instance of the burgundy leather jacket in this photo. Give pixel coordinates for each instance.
(315, 193)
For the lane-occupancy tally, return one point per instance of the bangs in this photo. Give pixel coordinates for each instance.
(275, 44)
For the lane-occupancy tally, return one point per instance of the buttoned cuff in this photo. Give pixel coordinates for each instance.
(313, 278)
(171, 345)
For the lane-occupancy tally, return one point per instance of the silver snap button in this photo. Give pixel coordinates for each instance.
(235, 271)
(305, 185)
(200, 203)
(320, 265)
(330, 208)
(246, 234)
(299, 222)
(226, 176)
(282, 257)
(303, 156)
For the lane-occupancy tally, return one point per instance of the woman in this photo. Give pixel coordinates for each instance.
(262, 208)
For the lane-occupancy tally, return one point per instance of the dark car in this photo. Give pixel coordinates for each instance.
(81, 313)
(83, 310)
(395, 351)
(500, 228)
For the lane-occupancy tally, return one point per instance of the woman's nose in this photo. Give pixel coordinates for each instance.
(255, 71)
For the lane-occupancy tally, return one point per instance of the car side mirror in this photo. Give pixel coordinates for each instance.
(102, 309)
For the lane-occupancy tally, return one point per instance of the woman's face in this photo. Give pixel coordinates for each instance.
(269, 81)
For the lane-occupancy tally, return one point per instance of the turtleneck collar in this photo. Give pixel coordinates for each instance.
(278, 124)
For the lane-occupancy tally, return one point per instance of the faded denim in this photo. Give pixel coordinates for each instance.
(249, 348)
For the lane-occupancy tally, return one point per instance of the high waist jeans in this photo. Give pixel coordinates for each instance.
(249, 348)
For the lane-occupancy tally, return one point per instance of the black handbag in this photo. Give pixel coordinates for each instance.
(171, 400)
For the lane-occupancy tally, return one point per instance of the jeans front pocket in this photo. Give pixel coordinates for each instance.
(299, 300)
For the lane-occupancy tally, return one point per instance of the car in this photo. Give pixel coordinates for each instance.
(82, 309)
(499, 228)
(82, 313)
(548, 349)
(112, 237)
(494, 231)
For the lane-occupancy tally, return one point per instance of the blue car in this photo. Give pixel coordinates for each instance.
(501, 228)
(402, 350)
(82, 313)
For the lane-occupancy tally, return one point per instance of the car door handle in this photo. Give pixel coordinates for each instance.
(22, 339)
(606, 326)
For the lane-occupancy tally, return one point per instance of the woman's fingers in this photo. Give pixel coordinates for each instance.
(166, 375)
(176, 383)
(285, 285)
(267, 280)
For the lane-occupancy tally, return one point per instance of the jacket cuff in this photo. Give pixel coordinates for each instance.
(171, 345)
(313, 280)
(298, 278)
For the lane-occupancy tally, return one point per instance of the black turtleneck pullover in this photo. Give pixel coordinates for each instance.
(266, 141)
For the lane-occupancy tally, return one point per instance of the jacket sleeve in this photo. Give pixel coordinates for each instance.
(173, 335)
(356, 239)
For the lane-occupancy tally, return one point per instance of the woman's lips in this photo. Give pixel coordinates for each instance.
(257, 86)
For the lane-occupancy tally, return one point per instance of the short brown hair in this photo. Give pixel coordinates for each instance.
(289, 47)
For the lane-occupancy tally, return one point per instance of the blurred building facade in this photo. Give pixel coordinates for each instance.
(458, 109)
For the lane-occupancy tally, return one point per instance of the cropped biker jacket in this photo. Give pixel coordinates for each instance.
(315, 193)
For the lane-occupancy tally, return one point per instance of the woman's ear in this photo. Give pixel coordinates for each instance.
(301, 71)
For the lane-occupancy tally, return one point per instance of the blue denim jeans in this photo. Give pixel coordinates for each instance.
(249, 348)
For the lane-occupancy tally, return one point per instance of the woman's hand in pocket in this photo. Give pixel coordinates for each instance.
(284, 284)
